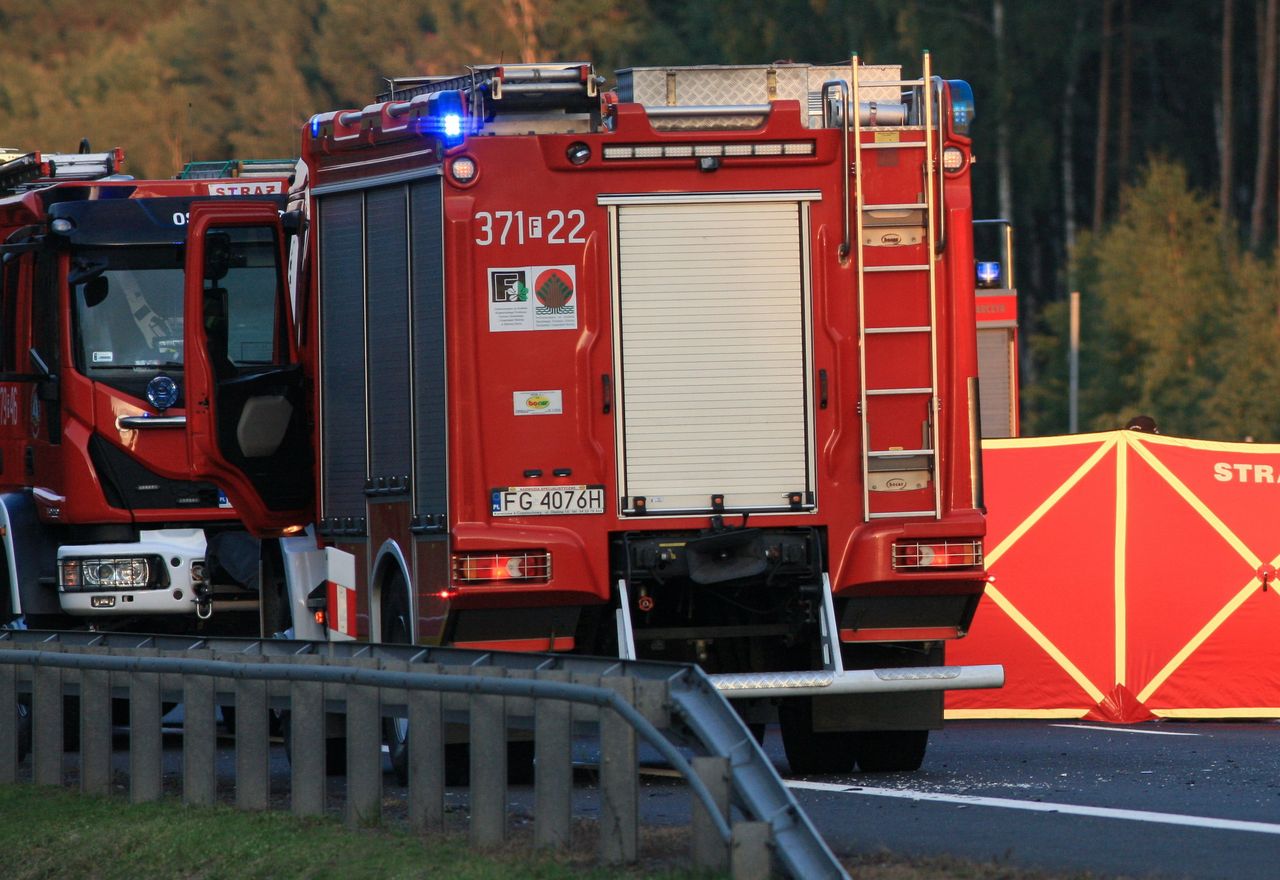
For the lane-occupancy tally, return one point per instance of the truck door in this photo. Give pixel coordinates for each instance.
(246, 404)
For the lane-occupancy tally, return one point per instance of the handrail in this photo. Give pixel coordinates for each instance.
(846, 245)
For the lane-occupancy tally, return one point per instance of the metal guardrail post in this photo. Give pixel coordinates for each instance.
(553, 778)
(619, 791)
(46, 735)
(364, 753)
(710, 852)
(426, 758)
(750, 857)
(307, 747)
(95, 731)
(253, 759)
(145, 745)
(11, 724)
(199, 741)
(488, 791)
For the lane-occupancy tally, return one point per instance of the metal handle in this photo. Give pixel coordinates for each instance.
(147, 422)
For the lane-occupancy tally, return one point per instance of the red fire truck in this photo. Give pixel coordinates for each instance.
(103, 522)
(683, 370)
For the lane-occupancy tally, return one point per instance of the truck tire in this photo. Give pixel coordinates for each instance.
(810, 752)
(891, 751)
(397, 630)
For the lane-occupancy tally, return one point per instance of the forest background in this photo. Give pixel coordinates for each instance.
(1133, 144)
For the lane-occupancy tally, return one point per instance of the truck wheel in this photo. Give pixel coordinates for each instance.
(808, 751)
(891, 751)
(396, 630)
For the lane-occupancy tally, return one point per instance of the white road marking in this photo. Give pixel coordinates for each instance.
(1118, 729)
(1042, 807)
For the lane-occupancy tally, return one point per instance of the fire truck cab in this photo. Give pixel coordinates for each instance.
(683, 370)
(104, 523)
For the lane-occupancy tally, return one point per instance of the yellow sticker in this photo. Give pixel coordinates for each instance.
(888, 137)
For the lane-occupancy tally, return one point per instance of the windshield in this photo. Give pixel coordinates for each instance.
(128, 307)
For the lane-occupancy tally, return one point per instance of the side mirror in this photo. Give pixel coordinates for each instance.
(292, 222)
(96, 290)
(217, 255)
(83, 272)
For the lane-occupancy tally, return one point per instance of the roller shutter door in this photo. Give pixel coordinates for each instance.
(714, 355)
(995, 374)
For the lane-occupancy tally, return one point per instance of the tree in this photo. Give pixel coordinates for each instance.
(1226, 143)
(1104, 122)
(1266, 120)
(1179, 323)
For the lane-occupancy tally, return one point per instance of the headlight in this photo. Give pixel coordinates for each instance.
(114, 573)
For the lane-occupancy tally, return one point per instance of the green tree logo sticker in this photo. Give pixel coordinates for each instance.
(554, 288)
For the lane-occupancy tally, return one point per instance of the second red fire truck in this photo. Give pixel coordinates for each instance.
(683, 370)
(102, 521)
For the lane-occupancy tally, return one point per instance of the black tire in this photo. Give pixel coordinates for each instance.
(891, 751)
(809, 752)
(397, 629)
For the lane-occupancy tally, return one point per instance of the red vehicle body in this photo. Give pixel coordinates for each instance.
(104, 525)
(650, 373)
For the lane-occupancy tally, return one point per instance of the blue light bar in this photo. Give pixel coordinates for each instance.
(988, 274)
(447, 115)
(962, 108)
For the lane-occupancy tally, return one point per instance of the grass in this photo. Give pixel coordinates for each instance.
(53, 833)
(56, 833)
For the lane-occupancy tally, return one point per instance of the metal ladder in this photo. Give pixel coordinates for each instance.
(916, 283)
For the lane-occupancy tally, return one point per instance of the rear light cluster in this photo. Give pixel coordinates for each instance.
(114, 573)
(955, 553)
(521, 566)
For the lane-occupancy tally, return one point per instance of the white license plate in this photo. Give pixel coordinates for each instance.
(541, 500)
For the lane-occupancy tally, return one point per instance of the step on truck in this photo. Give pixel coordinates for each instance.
(684, 369)
(105, 524)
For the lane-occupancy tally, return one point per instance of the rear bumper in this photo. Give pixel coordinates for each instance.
(753, 685)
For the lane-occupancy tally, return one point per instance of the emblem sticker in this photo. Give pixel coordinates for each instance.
(533, 298)
(538, 403)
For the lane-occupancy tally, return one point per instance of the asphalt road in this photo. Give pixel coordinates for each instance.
(1167, 799)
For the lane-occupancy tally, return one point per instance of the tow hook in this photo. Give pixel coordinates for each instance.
(204, 602)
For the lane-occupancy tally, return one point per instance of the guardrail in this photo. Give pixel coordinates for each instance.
(486, 698)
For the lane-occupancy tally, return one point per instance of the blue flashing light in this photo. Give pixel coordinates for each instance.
(315, 126)
(962, 108)
(162, 392)
(447, 115)
(988, 274)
